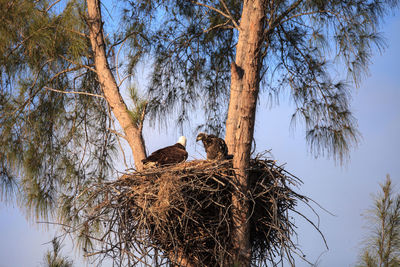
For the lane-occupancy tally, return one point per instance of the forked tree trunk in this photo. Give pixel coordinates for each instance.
(109, 86)
(245, 79)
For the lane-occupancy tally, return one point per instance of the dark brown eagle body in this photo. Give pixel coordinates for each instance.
(168, 155)
(215, 147)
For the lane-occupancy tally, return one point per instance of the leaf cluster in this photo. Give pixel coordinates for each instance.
(138, 111)
(306, 47)
(52, 135)
(54, 259)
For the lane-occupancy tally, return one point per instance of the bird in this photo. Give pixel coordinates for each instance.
(215, 147)
(168, 155)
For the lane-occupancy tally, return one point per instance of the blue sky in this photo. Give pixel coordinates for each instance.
(346, 191)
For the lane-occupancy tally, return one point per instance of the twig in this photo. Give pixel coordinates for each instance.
(220, 12)
(72, 92)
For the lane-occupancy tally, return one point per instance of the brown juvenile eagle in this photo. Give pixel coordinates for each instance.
(215, 147)
(168, 155)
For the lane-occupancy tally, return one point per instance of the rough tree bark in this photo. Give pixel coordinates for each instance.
(109, 86)
(241, 117)
(133, 133)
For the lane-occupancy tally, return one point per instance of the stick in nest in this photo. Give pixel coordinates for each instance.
(187, 209)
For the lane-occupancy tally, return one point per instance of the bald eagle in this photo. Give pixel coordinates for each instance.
(168, 155)
(215, 147)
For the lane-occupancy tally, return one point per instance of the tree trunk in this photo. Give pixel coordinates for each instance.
(109, 86)
(245, 80)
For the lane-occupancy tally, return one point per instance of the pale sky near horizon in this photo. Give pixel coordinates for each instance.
(346, 191)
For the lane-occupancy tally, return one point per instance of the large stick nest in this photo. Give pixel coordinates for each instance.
(184, 213)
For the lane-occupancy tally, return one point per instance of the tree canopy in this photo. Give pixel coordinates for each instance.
(314, 50)
(52, 138)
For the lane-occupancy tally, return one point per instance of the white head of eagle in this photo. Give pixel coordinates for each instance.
(168, 155)
(182, 141)
(215, 147)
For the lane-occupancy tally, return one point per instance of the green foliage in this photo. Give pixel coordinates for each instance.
(138, 111)
(191, 66)
(54, 259)
(382, 248)
(54, 141)
(303, 44)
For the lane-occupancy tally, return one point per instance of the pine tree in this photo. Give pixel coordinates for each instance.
(382, 247)
(54, 259)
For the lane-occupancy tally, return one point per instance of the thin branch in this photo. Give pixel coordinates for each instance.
(55, 2)
(116, 61)
(78, 64)
(229, 13)
(126, 38)
(65, 71)
(77, 32)
(218, 26)
(278, 20)
(72, 92)
(116, 133)
(123, 79)
(218, 11)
